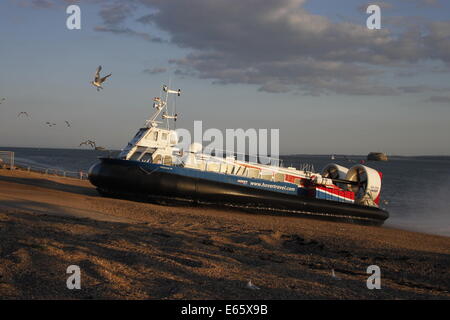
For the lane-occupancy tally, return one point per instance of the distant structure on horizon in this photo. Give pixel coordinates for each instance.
(377, 156)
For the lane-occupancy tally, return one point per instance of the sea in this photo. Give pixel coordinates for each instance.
(415, 189)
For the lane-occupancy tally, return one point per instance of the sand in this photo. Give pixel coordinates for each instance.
(136, 250)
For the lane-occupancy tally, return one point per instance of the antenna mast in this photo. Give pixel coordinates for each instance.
(161, 105)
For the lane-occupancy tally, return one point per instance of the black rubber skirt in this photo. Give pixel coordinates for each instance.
(115, 177)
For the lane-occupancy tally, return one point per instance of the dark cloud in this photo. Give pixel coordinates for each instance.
(129, 32)
(439, 99)
(279, 46)
(155, 70)
(437, 41)
(407, 73)
(115, 14)
(421, 88)
(147, 19)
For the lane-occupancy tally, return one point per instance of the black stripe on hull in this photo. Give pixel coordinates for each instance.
(128, 178)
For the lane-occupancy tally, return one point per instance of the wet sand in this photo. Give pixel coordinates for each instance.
(135, 250)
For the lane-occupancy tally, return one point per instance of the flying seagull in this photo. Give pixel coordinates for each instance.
(23, 113)
(50, 124)
(88, 142)
(2, 99)
(99, 81)
(93, 145)
(67, 123)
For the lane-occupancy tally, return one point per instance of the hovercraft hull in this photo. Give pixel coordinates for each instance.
(148, 180)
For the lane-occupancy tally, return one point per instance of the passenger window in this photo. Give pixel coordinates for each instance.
(157, 159)
(147, 157)
(136, 155)
(167, 160)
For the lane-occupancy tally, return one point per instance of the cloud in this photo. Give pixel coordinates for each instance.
(116, 13)
(114, 16)
(129, 32)
(155, 70)
(421, 88)
(278, 46)
(439, 99)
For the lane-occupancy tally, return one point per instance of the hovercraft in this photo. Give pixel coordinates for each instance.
(152, 167)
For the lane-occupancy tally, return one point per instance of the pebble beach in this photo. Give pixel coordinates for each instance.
(136, 250)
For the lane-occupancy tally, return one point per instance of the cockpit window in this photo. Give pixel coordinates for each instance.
(139, 134)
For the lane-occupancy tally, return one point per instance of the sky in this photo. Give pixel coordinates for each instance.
(311, 69)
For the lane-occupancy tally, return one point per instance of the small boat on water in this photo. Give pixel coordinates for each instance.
(377, 156)
(152, 167)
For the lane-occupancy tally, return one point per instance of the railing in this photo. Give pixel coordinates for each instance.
(52, 171)
(212, 151)
(309, 167)
(7, 154)
(55, 172)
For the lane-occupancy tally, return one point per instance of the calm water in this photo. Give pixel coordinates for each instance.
(417, 189)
